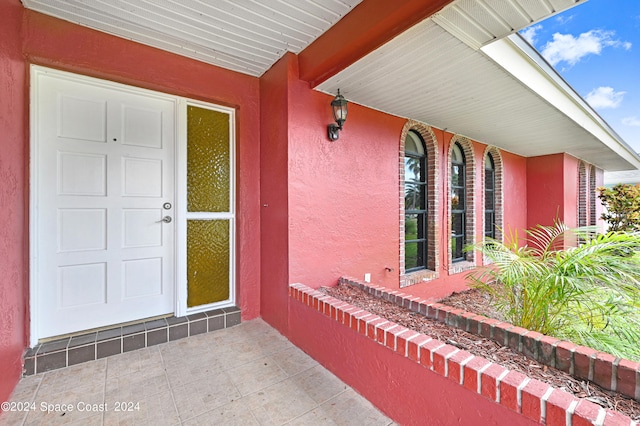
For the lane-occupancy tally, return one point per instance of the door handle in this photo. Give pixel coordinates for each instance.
(166, 219)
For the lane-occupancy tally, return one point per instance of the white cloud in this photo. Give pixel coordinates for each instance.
(564, 19)
(530, 33)
(567, 48)
(604, 97)
(631, 121)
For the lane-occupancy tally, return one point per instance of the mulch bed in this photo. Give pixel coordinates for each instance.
(478, 302)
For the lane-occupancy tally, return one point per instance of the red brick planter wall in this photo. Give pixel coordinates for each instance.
(530, 399)
(616, 374)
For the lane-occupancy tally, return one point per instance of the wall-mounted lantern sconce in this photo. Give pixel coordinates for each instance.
(339, 108)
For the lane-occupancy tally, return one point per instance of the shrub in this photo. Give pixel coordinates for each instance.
(588, 294)
(623, 207)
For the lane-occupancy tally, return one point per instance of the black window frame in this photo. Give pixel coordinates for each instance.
(489, 197)
(458, 214)
(593, 215)
(421, 239)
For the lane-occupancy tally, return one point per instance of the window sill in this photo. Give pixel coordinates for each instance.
(417, 277)
(459, 267)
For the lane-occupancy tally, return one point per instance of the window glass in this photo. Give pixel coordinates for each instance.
(457, 198)
(458, 203)
(413, 144)
(413, 169)
(489, 225)
(489, 196)
(456, 154)
(415, 202)
(413, 197)
(457, 245)
(593, 215)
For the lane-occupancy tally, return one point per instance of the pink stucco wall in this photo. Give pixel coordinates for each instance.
(545, 178)
(274, 236)
(514, 192)
(13, 199)
(344, 196)
(552, 189)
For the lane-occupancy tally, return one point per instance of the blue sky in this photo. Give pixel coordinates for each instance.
(595, 46)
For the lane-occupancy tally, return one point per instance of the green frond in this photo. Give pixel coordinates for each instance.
(587, 292)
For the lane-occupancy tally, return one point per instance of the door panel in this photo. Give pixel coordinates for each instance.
(104, 159)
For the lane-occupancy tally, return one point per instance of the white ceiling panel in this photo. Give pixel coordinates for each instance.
(478, 22)
(428, 75)
(247, 36)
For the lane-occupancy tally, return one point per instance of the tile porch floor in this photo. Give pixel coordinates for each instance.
(248, 374)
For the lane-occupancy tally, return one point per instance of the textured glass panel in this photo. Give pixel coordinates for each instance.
(207, 261)
(208, 161)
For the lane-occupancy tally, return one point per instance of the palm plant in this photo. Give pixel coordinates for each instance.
(589, 294)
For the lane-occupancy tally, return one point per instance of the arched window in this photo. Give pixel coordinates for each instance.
(458, 203)
(419, 230)
(489, 196)
(582, 194)
(492, 215)
(593, 216)
(415, 203)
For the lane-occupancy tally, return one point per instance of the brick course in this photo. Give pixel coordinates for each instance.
(532, 398)
(585, 363)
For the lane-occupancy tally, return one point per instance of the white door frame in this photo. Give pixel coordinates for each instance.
(181, 209)
(180, 212)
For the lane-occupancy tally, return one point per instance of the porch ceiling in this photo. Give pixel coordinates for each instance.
(464, 70)
(247, 36)
(459, 70)
(503, 94)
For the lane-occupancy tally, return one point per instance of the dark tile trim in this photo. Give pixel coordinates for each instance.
(88, 347)
(84, 339)
(133, 329)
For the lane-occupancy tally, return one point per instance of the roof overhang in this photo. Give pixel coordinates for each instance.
(450, 72)
(459, 69)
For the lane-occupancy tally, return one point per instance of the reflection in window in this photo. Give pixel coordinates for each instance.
(489, 196)
(415, 202)
(458, 203)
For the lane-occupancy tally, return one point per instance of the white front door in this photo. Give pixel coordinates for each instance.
(103, 182)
